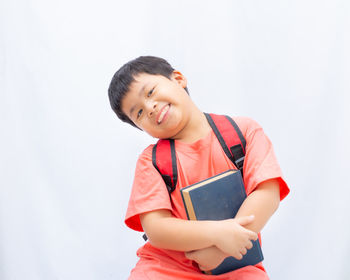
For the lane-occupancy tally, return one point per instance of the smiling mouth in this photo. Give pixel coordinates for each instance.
(163, 113)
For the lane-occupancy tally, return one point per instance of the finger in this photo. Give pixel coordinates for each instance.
(243, 251)
(249, 245)
(252, 235)
(238, 256)
(245, 220)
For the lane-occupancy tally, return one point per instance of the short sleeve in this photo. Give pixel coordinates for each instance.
(260, 162)
(148, 192)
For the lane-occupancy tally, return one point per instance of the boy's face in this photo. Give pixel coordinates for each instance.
(158, 105)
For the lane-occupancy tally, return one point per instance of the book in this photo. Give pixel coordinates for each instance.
(219, 198)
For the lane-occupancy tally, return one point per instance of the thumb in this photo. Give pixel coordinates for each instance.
(189, 255)
(204, 269)
(245, 220)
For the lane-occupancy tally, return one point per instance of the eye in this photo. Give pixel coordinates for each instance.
(150, 92)
(139, 113)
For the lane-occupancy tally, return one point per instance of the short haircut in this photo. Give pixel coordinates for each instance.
(123, 78)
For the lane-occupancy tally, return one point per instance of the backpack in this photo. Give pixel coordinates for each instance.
(227, 132)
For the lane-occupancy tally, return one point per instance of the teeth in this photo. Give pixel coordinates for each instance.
(162, 114)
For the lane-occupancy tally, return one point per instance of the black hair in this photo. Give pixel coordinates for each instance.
(123, 78)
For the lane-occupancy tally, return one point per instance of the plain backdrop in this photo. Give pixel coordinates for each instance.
(67, 162)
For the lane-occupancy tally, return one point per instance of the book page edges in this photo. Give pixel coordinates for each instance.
(189, 206)
(187, 190)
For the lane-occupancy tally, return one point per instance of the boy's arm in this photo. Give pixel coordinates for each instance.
(262, 203)
(167, 232)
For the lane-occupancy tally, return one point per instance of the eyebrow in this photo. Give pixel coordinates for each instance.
(140, 93)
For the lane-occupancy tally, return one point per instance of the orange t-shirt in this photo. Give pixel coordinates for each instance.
(195, 162)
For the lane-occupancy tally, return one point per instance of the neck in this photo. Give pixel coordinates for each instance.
(197, 128)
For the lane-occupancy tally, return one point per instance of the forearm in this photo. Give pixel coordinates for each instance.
(167, 232)
(261, 203)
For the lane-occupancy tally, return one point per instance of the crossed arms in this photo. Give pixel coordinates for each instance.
(209, 242)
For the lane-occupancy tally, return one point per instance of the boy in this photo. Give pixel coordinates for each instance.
(150, 95)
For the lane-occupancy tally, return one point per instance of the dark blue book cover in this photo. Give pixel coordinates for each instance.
(219, 198)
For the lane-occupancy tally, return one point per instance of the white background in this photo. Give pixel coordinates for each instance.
(67, 162)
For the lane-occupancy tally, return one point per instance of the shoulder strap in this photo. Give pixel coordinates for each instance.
(164, 160)
(231, 140)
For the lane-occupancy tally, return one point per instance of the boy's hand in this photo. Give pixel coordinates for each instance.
(207, 258)
(232, 238)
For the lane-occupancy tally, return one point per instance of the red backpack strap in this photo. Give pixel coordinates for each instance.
(164, 160)
(231, 140)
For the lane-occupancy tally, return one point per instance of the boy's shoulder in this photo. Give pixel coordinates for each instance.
(246, 124)
(147, 153)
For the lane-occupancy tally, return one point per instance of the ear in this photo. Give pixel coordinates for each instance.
(179, 78)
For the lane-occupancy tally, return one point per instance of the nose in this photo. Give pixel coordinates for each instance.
(152, 108)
